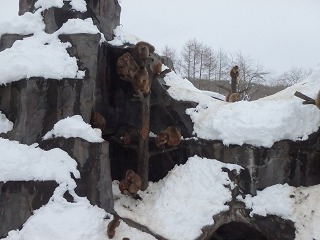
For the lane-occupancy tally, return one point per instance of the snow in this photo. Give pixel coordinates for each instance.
(5, 124)
(198, 185)
(259, 123)
(299, 205)
(185, 201)
(121, 37)
(21, 162)
(77, 5)
(42, 54)
(75, 127)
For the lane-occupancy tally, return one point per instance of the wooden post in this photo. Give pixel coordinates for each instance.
(143, 144)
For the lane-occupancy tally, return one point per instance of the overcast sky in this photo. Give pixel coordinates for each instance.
(277, 33)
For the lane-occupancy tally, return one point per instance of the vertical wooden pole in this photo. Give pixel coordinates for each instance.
(143, 145)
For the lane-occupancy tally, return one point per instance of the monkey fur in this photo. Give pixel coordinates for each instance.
(98, 121)
(140, 81)
(126, 66)
(157, 67)
(234, 73)
(233, 97)
(170, 137)
(142, 50)
(131, 184)
(113, 224)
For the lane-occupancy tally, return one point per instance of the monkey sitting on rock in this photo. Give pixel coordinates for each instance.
(233, 97)
(140, 81)
(234, 72)
(126, 66)
(98, 121)
(142, 51)
(113, 224)
(170, 137)
(131, 184)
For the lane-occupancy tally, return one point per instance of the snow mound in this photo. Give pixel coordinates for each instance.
(5, 124)
(121, 37)
(183, 202)
(74, 127)
(263, 122)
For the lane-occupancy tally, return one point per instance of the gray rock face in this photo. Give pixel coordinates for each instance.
(34, 105)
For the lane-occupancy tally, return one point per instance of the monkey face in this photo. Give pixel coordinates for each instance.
(130, 175)
(162, 138)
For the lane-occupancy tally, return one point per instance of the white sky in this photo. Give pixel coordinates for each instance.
(277, 33)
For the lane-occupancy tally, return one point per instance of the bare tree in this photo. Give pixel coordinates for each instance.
(210, 63)
(223, 66)
(292, 76)
(171, 54)
(250, 73)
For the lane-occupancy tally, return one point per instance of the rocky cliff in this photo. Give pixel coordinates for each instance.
(34, 105)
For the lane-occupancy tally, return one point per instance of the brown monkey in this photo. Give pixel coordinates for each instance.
(233, 97)
(318, 100)
(131, 184)
(112, 226)
(126, 66)
(140, 81)
(98, 121)
(234, 73)
(157, 67)
(125, 138)
(126, 134)
(170, 137)
(174, 136)
(142, 50)
(161, 139)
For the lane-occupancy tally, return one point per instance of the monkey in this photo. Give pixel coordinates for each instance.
(318, 100)
(126, 66)
(131, 184)
(140, 81)
(233, 97)
(234, 73)
(170, 137)
(127, 135)
(161, 139)
(157, 67)
(112, 226)
(142, 50)
(174, 136)
(309, 100)
(98, 121)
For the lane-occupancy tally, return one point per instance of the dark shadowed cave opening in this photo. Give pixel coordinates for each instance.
(237, 231)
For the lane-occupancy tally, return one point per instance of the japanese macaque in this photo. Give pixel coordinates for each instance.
(170, 137)
(126, 66)
(98, 121)
(131, 184)
(142, 50)
(113, 224)
(309, 100)
(234, 73)
(126, 135)
(140, 81)
(233, 97)
(157, 67)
